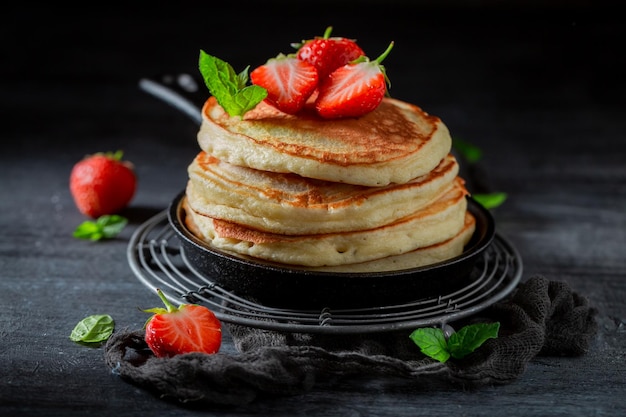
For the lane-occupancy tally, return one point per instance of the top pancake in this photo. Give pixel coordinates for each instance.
(393, 144)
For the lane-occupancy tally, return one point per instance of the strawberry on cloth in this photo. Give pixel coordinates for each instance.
(188, 328)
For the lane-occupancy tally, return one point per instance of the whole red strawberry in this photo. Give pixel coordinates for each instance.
(102, 184)
(289, 82)
(189, 328)
(327, 54)
(354, 89)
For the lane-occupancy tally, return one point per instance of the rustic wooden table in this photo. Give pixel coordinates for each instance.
(540, 90)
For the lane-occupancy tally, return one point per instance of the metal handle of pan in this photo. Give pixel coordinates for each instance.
(182, 91)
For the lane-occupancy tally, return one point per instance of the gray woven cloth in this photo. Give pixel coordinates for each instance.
(540, 317)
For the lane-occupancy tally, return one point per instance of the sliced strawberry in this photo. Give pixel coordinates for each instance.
(327, 54)
(188, 328)
(289, 82)
(354, 89)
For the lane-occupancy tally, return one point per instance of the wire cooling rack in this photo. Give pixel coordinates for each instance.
(156, 257)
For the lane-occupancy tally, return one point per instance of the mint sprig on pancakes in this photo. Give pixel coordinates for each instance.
(228, 87)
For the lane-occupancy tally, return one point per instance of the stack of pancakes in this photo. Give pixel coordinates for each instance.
(375, 193)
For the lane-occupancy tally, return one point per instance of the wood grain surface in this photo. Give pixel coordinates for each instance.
(539, 89)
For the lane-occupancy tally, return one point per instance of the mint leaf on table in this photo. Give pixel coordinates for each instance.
(490, 200)
(432, 341)
(473, 154)
(229, 88)
(470, 152)
(105, 227)
(93, 329)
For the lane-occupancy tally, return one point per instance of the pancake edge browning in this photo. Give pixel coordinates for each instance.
(290, 204)
(420, 257)
(425, 256)
(433, 224)
(393, 144)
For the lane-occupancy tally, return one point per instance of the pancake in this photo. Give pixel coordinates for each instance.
(435, 223)
(294, 205)
(428, 255)
(392, 144)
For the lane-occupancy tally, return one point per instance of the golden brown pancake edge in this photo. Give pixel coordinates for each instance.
(393, 144)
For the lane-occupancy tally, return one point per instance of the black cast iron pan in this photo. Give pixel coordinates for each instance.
(282, 286)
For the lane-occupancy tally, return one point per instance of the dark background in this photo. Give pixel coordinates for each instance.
(538, 86)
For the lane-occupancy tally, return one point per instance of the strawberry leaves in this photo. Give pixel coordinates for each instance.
(228, 87)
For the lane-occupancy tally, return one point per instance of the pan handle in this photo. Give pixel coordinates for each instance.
(181, 91)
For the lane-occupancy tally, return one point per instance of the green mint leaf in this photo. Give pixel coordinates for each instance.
(229, 88)
(432, 342)
(470, 152)
(470, 338)
(473, 154)
(490, 200)
(105, 227)
(88, 230)
(111, 225)
(93, 329)
(243, 77)
(247, 99)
